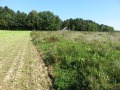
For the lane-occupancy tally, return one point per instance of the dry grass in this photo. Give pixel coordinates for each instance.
(21, 68)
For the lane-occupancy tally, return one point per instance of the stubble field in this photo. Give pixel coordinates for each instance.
(21, 68)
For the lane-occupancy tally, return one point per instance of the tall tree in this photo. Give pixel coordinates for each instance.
(48, 20)
(58, 23)
(33, 20)
(21, 19)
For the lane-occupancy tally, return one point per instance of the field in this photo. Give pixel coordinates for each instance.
(74, 60)
(81, 60)
(21, 67)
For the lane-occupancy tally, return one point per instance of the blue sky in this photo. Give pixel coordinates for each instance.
(101, 11)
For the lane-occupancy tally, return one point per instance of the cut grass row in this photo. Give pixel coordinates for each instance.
(81, 60)
(20, 66)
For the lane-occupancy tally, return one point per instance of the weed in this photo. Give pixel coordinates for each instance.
(81, 60)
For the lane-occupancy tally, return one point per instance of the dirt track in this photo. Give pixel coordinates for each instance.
(21, 68)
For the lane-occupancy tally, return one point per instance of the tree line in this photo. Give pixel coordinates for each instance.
(85, 25)
(46, 20)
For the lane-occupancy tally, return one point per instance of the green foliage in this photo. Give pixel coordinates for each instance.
(77, 63)
(45, 20)
(21, 18)
(33, 19)
(49, 21)
(85, 25)
(10, 20)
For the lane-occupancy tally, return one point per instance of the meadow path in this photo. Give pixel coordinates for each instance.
(21, 68)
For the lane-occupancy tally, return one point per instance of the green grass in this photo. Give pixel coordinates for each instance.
(81, 60)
